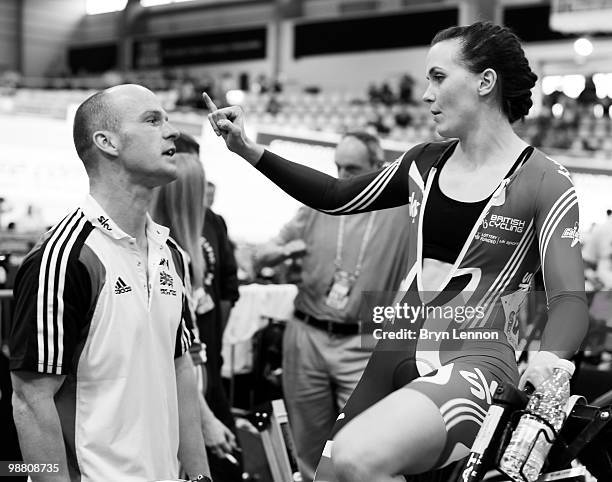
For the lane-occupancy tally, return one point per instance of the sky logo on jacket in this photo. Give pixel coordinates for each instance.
(573, 234)
(104, 223)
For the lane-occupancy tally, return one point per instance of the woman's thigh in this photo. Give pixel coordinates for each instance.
(401, 434)
(430, 422)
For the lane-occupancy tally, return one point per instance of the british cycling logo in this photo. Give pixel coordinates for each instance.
(164, 262)
(104, 223)
(573, 234)
(505, 223)
(413, 207)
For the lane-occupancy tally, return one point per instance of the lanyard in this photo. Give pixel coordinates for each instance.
(364, 243)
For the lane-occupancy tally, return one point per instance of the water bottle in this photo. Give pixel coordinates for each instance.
(532, 438)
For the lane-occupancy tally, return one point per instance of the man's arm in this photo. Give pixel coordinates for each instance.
(272, 253)
(217, 437)
(192, 453)
(44, 333)
(38, 424)
(288, 243)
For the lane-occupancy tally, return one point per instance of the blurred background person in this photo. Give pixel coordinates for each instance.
(181, 206)
(342, 256)
(597, 255)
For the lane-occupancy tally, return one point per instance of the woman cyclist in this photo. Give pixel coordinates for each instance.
(488, 212)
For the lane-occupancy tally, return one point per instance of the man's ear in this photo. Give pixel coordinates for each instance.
(488, 81)
(107, 142)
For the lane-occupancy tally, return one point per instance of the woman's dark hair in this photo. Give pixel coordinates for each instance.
(487, 45)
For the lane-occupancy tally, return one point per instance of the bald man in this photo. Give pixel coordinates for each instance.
(104, 388)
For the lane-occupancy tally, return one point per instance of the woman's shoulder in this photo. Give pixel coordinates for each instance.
(426, 153)
(428, 147)
(544, 165)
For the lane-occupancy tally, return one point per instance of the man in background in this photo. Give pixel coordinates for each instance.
(342, 256)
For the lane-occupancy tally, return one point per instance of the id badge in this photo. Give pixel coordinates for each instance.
(341, 286)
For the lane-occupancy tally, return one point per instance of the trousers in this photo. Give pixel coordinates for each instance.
(320, 371)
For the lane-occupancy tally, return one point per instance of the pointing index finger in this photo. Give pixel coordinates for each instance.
(209, 103)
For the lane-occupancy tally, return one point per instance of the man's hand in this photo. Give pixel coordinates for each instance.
(539, 369)
(295, 249)
(229, 124)
(192, 453)
(218, 438)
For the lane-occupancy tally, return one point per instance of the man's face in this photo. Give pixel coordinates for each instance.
(352, 158)
(146, 138)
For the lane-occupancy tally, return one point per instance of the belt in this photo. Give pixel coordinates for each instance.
(331, 327)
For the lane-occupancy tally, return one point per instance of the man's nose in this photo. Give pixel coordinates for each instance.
(172, 132)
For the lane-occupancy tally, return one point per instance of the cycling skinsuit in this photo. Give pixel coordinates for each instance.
(530, 221)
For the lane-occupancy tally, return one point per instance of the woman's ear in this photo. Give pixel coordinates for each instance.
(488, 80)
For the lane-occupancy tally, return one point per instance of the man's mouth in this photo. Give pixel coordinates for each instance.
(169, 152)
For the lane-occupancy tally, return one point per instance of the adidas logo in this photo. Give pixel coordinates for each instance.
(121, 287)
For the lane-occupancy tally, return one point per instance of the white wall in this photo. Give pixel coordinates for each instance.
(47, 28)
(39, 166)
(9, 20)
